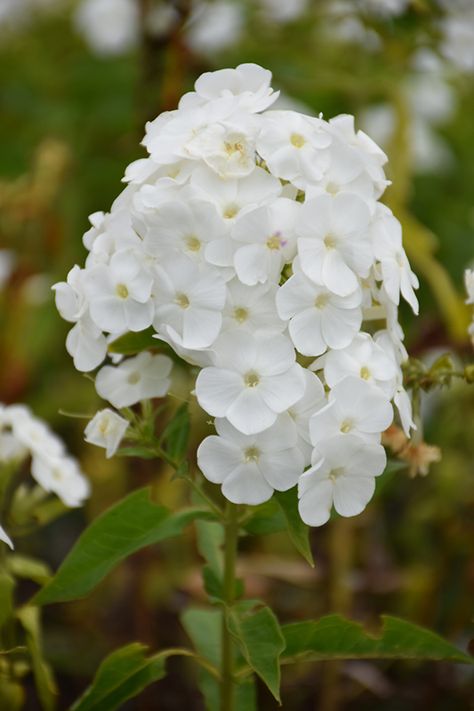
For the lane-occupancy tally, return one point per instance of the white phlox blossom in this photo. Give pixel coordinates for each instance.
(23, 435)
(469, 282)
(249, 240)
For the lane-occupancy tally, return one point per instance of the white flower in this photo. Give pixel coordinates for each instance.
(394, 267)
(333, 243)
(32, 433)
(364, 359)
(62, 476)
(7, 263)
(469, 282)
(119, 294)
(343, 473)
(214, 26)
(86, 344)
(268, 236)
(69, 295)
(250, 467)
(318, 317)
(248, 86)
(251, 309)
(5, 538)
(106, 429)
(299, 413)
(291, 145)
(143, 377)
(254, 381)
(354, 407)
(110, 27)
(182, 228)
(188, 303)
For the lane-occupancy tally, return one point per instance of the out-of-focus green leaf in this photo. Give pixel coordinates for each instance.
(210, 538)
(23, 566)
(204, 627)
(261, 642)
(334, 637)
(12, 696)
(266, 518)
(7, 586)
(136, 342)
(174, 438)
(298, 531)
(30, 619)
(132, 524)
(123, 675)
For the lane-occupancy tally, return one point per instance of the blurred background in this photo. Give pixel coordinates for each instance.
(78, 80)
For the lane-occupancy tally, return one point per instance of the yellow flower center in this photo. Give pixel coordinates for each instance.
(182, 301)
(364, 373)
(121, 291)
(134, 378)
(252, 379)
(297, 140)
(321, 300)
(193, 243)
(252, 454)
(241, 314)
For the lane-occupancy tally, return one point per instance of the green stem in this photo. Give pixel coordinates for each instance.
(231, 529)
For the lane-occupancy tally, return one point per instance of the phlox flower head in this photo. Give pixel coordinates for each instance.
(251, 241)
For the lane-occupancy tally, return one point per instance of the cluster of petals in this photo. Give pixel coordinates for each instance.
(249, 240)
(23, 435)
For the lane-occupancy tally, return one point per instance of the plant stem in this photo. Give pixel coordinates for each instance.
(231, 529)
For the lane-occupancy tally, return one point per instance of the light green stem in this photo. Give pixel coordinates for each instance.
(231, 529)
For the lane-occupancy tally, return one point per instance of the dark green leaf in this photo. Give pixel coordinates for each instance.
(334, 637)
(133, 343)
(210, 538)
(266, 518)
(121, 676)
(44, 680)
(132, 524)
(175, 436)
(141, 452)
(261, 641)
(298, 531)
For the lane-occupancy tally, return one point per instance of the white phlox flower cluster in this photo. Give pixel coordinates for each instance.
(23, 435)
(469, 281)
(252, 240)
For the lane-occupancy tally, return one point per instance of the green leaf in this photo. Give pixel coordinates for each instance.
(210, 539)
(132, 524)
(204, 627)
(136, 342)
(142, 452)
(334, 637)
(23, 566)
(298, 531)
(266, 518)
(7, 586)
(261, 641)
(123, 675)
(30, 619)
(175, 437)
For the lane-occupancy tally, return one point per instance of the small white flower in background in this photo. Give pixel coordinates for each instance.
(7, 263)
(248, 236)
(469, 282)
(250, 467)
(135, 379)
(22, 435)
(106, 429)
(213, 26)
(343, 473)
(110, 27)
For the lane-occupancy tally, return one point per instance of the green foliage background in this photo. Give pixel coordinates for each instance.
(69, 124)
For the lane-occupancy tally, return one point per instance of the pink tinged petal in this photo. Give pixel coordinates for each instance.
(279, 392)
(218, 458)
(217, 389)
(336, 275)
(282, 469)
(315, 503)
(200, 327)
(339, 326)
(249, 413)
(245, 485)
(250, 264)
(306, 334)
(352, 494)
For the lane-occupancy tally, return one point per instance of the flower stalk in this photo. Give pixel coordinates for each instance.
(231, 529)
